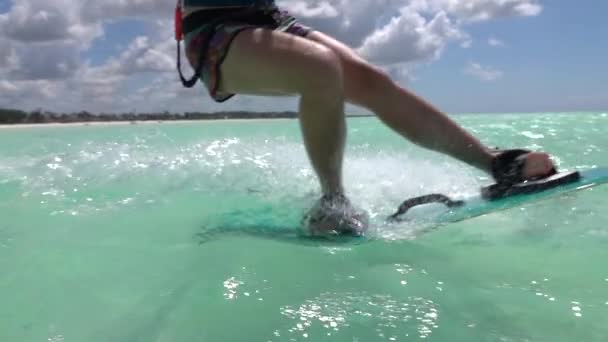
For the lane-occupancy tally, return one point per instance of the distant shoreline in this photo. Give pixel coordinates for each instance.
(106, 121)
(148, 122)
(9, 117)
(125, 123)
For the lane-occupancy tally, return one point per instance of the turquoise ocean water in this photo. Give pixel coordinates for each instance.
(187, 232)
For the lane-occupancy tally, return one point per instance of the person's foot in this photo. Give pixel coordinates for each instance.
(335, 216)
(537, 164)
(515, 166)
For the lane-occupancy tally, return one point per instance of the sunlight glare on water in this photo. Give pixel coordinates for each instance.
(188, 231)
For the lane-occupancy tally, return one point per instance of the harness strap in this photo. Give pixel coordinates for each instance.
(189, 83)
(213, 24)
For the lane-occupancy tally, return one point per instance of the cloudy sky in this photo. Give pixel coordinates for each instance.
(462, 55)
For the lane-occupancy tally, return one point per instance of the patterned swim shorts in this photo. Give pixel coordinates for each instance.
(217, 37)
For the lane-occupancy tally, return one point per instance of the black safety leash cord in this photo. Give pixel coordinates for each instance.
(422, 200)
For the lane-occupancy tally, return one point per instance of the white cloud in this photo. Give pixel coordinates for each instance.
(46, 21)
(467, 43)
(483, 73)
(308, 9)
(495, 42)
(424, 39)
(479, 10)
(7, 87)
(142, 55)
(8, 55)
(21, 93)
(47, 62)
(405, 31)
(348, 21)
(98, 83)
(114, 9)
(40, 24)
(43, 41)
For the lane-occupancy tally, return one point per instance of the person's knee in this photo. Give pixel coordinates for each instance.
(322, 74)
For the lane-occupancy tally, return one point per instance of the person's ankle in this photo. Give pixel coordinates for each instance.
(334, 196)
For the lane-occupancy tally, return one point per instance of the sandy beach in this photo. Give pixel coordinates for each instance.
(121, 123)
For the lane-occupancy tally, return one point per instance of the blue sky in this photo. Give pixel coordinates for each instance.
(117, 36)
(556, 61)
(117, 56)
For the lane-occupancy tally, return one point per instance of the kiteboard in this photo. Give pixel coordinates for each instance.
(492, 198)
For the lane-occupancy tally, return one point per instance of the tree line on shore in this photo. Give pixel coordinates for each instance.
(14, 116)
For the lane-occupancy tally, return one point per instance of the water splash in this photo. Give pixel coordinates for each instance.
(268, 181)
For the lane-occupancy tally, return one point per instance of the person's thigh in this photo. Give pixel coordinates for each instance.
(262, 62)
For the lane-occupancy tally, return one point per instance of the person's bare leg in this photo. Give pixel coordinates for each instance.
(411, 116)
(262, 62)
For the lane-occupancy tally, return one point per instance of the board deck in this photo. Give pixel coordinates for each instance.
(477, 206)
